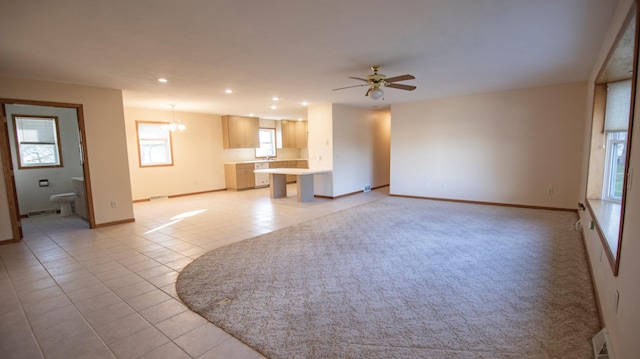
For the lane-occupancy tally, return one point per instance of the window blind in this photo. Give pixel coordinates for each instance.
(616, 117)
(34, 130)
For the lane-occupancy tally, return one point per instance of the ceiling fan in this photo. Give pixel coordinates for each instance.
(377, 81)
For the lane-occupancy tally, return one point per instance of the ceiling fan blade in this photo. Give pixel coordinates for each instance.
(400, 78)
(348, 87)
(359, 78)
(402, 87)
(369, 90)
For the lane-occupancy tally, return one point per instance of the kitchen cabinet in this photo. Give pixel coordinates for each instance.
(239, 176)
(294, 134)
(240, 132)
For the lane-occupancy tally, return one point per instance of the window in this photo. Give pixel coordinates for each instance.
(614, 171)
(612, 117)
(616, 124)
(37, 141)
(154, 144)
(267, 137)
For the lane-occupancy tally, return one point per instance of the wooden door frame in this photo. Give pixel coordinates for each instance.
(9, 178)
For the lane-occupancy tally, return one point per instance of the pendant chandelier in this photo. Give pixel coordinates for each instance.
(173, 125)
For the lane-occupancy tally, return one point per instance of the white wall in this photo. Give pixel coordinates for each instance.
(504, 147)
(197, 155)
(106, 141)
(358, 136)
(32, 197)
(623, 324)
(353, 143)
(320, 144)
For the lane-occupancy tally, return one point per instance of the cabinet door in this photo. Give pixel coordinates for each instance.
(301, 134)
(288, 134)
(245, 176)
(251, 129)
(240, 132)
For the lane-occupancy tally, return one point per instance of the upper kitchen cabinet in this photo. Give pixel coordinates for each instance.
(294, 134)
(240, 132)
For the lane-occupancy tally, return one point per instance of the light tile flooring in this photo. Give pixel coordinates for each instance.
(70, 292)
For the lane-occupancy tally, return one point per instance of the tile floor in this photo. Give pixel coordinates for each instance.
(70, 292)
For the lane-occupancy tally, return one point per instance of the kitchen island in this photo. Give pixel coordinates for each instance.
(304, 181)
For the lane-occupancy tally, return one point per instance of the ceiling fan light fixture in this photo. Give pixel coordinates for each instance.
(376, 93)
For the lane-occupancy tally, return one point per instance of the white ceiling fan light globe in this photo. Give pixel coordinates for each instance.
(376, 93)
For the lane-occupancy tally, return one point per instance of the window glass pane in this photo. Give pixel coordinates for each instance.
(37, 139)
(34, 154)
(267, 147)
(616, 150)
(154, 144)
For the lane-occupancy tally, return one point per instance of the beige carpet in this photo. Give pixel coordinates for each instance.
(405, 278)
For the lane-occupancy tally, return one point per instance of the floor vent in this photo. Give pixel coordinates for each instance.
(367, 188)
(602, 348)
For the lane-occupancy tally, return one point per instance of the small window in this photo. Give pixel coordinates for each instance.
(154, 144)
(614, 165)
(37, 141)
(267, 147)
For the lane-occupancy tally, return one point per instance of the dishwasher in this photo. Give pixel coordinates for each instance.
(262, 179)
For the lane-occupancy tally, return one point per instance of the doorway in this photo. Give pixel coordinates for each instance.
(29, 187)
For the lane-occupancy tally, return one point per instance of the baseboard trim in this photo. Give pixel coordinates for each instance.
(486, 203)
(196, 193)
(7, 241)
(107, 224)
(181, 195)
(349, 194)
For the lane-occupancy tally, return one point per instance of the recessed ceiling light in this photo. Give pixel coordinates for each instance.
(299, 119)
(275, 98)
(163, 80)
(250, 115)
(304, 103)
(228, 91)
(274, 107)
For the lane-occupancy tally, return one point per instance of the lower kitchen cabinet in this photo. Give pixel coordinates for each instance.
(239, 176)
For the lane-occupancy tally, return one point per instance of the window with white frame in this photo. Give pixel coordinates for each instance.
(154, 144)
(37, 141)
(616, 124)
(267, 137)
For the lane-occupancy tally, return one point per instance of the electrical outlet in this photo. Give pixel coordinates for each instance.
(617, 300)
(114, 204)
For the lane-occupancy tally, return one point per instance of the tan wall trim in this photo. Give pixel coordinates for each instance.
(195, 193)
(107, 224)
(181, 195)
(349, 194)
(487, 203)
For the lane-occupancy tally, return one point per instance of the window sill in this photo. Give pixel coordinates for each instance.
(607, 218)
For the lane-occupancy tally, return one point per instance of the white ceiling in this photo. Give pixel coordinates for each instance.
(298, 49)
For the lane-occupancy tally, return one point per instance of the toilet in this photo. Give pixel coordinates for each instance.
(64, 200)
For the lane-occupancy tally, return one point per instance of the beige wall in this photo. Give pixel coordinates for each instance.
(623, 324)
(106, 140)
(505, 147)
(197, 155)
(360, 149)
(320, 128)
(351, 142)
